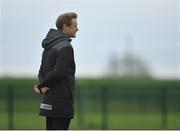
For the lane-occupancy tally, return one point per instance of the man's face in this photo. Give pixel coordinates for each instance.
(71, 30)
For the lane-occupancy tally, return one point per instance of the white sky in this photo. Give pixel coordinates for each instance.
(103, 27)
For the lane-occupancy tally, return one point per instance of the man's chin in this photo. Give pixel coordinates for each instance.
(73, 36)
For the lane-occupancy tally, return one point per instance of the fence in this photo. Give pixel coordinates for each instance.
(101, 108)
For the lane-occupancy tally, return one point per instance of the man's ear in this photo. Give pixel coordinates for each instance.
(65, 27)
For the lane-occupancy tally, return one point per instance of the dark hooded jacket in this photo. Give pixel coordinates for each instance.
(57, 73)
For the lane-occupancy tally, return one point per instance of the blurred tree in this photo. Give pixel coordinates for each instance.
(130, 65)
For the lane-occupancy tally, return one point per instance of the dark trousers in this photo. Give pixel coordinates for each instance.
(57, 123)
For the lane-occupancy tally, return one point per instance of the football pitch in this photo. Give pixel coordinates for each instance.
(28, 119)
(124, 105)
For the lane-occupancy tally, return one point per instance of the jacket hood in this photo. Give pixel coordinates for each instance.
(53, 37)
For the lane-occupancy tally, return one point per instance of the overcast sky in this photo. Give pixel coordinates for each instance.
(103, 27)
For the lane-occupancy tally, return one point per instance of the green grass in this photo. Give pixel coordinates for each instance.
(93, 120)
(129, 117)
(123, 113)
(23, 120)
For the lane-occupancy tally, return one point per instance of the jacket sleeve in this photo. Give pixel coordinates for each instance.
(40, 74)
(63, 62)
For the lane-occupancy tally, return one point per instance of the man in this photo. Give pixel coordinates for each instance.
(56, 74)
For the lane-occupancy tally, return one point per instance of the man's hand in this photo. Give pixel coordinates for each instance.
(36, 89)
(44, 89)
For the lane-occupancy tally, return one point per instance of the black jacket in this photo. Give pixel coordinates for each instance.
(57, 73)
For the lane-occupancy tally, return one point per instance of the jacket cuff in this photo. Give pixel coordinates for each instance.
(39, 86)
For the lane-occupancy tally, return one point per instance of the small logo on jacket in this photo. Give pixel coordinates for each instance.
(46, 106)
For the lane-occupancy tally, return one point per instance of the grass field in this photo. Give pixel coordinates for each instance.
(133, 104)
(26, 117)
(93, 120)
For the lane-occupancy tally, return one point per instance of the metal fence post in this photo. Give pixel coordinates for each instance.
(104, 108)
(10, 97)
(80, 107)
(164, 108)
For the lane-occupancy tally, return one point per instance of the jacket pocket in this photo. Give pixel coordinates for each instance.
(69, 89)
